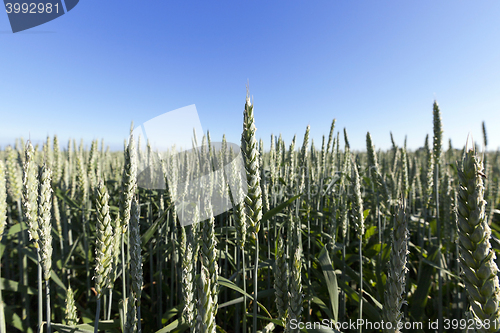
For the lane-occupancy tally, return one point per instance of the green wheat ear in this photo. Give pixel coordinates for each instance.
(205, 319)
(295, 297)
(396, 279)
(476, 255)
(30, 193)
(135, 251)
(13, 179)
(44, 223)
(104, 241)
(70, 313)
(281, 280)
(251, 159)
(187, 269)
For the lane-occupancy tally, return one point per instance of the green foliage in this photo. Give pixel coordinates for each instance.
(331, 237)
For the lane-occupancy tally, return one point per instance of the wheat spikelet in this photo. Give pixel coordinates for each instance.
(476, 255)
(295, 291)
(104, 241)
(344, 221)
(280, 156)
(374, 166)
(44, 224)
(448, 221)
(290, 167)
(129, 183)
(322, 158)
(209, 251)
(313, 160)
(57, 219)
(136, 277)
(330, 136)
(47, 153)
(187, 270)
(135, 252)
(70, 313)
(251, 159)
(239, 207)
(263, 180)
(396, 277)
(281, 280)
(205, 320)
(30, 194)
(273, 160)
(13, 179)
(303, 160)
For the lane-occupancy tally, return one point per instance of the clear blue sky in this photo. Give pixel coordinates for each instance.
(373, 65)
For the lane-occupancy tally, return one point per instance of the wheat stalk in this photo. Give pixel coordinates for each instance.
(30, 194)
(30, 204)
(303, 160)
(3, 200)
(13, 181)
(91, 174)
(71, 315)
(438, 133)
(104, 241)
(44, 223)
(131, 321)
(360, 228)
(56, 163)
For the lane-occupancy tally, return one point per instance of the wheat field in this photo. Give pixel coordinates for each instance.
(325, 239)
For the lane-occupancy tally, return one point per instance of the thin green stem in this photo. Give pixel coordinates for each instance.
(40, 292)
(124, 283)
(360, 281)
(245, 292)
(47, 295)
(97, 311)
(255, 285)
(109, 303)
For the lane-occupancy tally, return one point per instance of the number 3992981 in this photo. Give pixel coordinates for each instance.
(31, 8)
